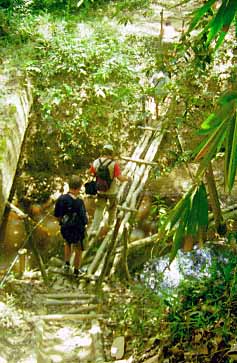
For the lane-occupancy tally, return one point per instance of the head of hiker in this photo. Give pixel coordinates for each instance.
(108, 149)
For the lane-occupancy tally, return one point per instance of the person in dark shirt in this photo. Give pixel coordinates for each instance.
(71, 213)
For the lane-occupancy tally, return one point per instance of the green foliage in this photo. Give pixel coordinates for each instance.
(140, 314)
(189, 218)
(221, 130)
(206, 304)
(86, 92)
(14, 6)
(218, 26)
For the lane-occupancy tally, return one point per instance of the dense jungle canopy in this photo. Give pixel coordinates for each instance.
(119, 71)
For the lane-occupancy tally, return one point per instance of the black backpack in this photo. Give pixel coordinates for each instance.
(71, 218)
(91, 188)
(103, 178)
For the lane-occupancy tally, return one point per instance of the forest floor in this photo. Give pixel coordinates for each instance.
(68, 320)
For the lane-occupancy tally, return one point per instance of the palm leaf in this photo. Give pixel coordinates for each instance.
(212, 151)
(227, 97)
(235, 26)
(192, 225)
(228, 18)
(220, 39)
(217, 22)
(228, 147)
(179, 234)
(202, 214)
(199, 13)
(211, 144)
(233, 156)
(202, 207)
(175, 215)
(209, 124)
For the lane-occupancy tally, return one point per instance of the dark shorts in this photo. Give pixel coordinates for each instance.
(73, 236)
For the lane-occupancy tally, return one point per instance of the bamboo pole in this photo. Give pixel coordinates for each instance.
(125, 255)
(96, 261)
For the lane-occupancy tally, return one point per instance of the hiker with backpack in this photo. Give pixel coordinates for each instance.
(107, 172)
(71, 213)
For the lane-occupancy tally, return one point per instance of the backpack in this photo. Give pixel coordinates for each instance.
(91, 188)
(71, 218)
(103, 178)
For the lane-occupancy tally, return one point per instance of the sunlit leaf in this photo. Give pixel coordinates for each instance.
(227, 97)
(212, 143)
(199, 13)
(220, 39)
(210, 123)
(218, 26)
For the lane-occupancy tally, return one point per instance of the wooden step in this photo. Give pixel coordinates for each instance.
(68, 317)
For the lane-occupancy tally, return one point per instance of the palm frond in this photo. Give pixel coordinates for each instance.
(232, 164)
(217, 22)
(199, 13)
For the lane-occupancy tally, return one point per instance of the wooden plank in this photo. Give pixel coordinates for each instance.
(67, 295)
(127, 209)
(149, 128)
(73, 302)
(139, 161)
(68, 317)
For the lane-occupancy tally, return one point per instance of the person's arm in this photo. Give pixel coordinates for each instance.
(83, 213)
(119, 175)
(58, 210)
(124, 178)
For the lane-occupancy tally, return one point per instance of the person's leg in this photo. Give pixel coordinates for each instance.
(112, 209)
(67, 255)
(67, 252)
(98, 216)
(77, 258)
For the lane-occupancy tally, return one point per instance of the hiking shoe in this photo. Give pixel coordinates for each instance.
(77, 272)
(66, 268)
